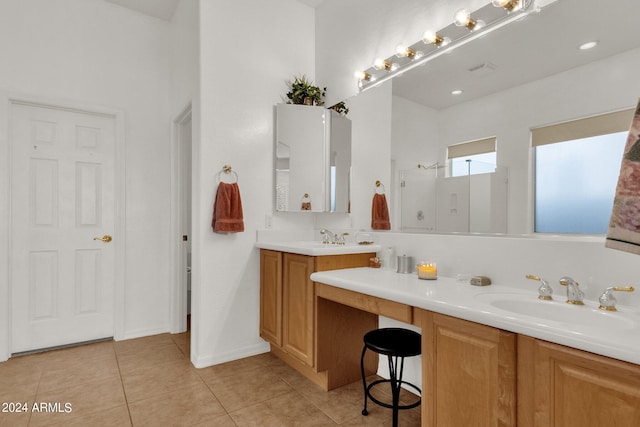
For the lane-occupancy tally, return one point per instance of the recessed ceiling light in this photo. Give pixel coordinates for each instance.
(456, 92)
(588, 45)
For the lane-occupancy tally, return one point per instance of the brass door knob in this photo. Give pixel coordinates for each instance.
(106, 238)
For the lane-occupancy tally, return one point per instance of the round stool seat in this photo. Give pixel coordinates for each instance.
(394, 342)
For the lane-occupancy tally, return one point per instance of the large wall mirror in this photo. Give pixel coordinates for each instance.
(527, 74)
(312, 159)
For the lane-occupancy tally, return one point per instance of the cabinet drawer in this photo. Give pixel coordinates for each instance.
(371, 304)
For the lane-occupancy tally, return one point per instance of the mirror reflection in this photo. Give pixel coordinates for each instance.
(528, 74)
(312, 159)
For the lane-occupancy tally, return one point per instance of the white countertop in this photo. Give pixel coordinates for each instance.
(613, 334)
(313, 248)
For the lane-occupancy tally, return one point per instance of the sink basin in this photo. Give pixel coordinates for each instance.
(558, 311)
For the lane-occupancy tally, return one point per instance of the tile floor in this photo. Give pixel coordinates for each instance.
(151, 382)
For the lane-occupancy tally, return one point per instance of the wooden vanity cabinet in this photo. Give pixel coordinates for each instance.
(287, 315)
(297, 304)
(468, 373)
(562, 386)
(271, 296)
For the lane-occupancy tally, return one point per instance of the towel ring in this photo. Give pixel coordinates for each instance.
(379, 188)
(227, 170)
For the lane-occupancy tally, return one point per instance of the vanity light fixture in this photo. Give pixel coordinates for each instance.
(363, 75)
(406, 52)
(431, 37)
(383, 64)
(508, 5)
(456, 92)
(493, 15)
(463, 18)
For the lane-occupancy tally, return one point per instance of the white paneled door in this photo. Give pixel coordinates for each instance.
(62, 220)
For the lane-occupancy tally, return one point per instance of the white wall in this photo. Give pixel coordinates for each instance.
(184, 51)
(91, 52)
(248, 51)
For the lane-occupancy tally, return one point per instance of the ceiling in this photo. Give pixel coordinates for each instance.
(541, 45)
(164, 9)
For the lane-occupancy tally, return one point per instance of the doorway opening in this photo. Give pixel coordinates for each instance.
(181, 221)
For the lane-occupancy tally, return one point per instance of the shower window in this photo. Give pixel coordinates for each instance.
(576, 172)
(472, 158)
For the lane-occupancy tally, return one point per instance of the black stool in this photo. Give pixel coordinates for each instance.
(395, 343)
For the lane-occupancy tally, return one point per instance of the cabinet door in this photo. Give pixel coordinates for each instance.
(468, 373)
(298, 307)
(562, 386)
(271, 296)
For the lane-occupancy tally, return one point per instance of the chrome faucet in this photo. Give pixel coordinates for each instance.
(544, 290)
(574, 294)
(608, 301)
(328, 237)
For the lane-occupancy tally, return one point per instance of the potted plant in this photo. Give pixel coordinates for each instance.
(302, 91)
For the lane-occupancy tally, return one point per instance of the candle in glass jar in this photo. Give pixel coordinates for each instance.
(427, 270)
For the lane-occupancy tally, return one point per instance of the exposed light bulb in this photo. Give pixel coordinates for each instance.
(463, 18)
(407, 52)
(401, 51)
(362, 75)
(508, 5)
(383, 64)
(431, 37)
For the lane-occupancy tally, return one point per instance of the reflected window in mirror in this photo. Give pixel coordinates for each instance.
(576, 171)
(472, 158)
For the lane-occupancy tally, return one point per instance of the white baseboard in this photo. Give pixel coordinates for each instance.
(239, 353)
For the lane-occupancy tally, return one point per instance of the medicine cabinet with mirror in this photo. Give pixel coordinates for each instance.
(525, 75)
(312, 159)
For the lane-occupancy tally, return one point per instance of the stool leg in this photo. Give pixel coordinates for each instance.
(364, 380)
(395, 377)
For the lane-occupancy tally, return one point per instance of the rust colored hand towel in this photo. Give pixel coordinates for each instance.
(227, 209)
(380, 213)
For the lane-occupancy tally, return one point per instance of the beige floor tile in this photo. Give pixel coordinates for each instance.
(159, 379)
(145, 358)
(183, 341)
(228, 369)
(66, 374)
(115, 417)
(142, 344)
(223, 421)
(68, 357)
(182, 407)
(247, 388)
(290, 409)
(19, 379)
(14, 419)
(83, 400)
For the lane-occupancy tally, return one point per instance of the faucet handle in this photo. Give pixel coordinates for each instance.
(340, 240)
(608, 301)
(574, 294)
(544, 290)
